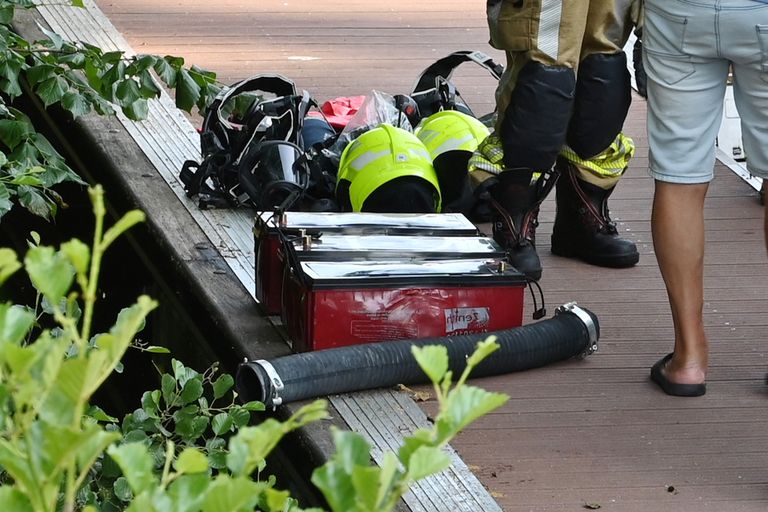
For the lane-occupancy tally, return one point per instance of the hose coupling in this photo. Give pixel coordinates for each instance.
(272, 395)
(589, 324)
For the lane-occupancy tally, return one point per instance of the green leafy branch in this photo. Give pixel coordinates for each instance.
(45, 444)
(348, 481)
(81, 78)
(163, 457)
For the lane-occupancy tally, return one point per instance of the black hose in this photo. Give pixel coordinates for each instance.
(572, 331)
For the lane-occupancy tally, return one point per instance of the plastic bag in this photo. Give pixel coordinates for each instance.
(378, 107)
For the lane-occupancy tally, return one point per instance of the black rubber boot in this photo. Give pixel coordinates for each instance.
(583, 228)
(515, 204)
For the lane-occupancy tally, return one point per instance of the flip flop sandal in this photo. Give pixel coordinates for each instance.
(673, 388)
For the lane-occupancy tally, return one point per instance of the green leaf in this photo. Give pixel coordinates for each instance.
(251, 445)
(254, 406)
(6, 14)
(130, 321)
(75, 103)
(140, 63)
(13, 500)
(9, 264)
(56, 447)
(50, 272)
(191, 460)
(202, 77)
(276, 499)
(484, 349)
(97, 413)
(148, 86)
(137, 465)
(168, 387)
(221, 385)
(183, 373)
(78, 254)
(5, 201)
(468, 403)
(113, 57)
(165, 71)
(15, 323)
(192, 390)
(40, 73)
(190, 428)
(127, 92)
(241, 417)
(221, 423)
(227, 494)
(95, 442)
(18, 467)
(187, 91)
(389, 476)
(112, 76)
(75, 60)
(35, 202)
(426, 461)
(27, 179)
(127, 221)
(12, 132)
(365, 480)
(189, 491)
(433, 359)
(55, 38)
(138, 110)
(74, 384)
(154, 349)
(122, 489)
(93, 74)
(10, 85)
(77, 3)
(52, 90)
(150, 400)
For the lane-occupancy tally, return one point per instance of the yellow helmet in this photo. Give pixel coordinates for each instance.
(451, 137)
(451, 130)
(386, 155)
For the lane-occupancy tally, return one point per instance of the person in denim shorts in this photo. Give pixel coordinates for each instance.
(689, 47)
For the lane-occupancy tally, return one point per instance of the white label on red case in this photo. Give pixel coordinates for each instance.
(466, 320)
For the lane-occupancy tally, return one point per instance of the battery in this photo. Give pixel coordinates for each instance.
(270, 229)
(330, 304)
(373, 247)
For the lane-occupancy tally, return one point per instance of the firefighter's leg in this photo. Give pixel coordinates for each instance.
(534, 100)
(583, 227)
(597, 154)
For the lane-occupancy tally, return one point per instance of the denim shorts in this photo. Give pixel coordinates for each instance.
(689, 46)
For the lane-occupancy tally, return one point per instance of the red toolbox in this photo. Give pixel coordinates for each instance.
(336, 303)
(270, 229)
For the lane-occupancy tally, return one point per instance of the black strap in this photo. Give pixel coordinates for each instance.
(444, 68)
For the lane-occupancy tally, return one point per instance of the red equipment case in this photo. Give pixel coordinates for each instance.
(336, 303)
(269, 226)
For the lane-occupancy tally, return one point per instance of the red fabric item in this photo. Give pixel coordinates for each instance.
(339, 111)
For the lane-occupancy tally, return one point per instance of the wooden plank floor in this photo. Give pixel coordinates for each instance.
(579, 433)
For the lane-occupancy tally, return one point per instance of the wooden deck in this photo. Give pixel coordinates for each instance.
(580, 434)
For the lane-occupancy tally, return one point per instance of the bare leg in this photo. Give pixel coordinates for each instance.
(677, 224)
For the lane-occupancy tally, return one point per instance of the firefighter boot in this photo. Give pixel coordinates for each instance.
(583, 228)
(515, 204)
